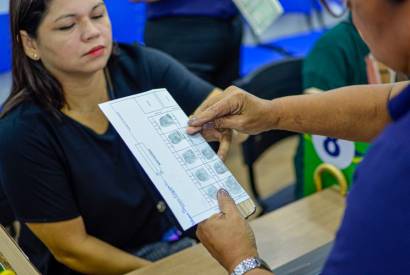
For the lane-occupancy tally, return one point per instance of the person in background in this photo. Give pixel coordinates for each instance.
(339, 58)
(336, 60)
(373, 237)
(84, 202)
(205, 36)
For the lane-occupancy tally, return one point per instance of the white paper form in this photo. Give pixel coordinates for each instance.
(184, 168)
(260, 14)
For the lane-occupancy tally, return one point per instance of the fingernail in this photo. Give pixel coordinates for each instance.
(209, 125)
(191, 120)
(223, 193)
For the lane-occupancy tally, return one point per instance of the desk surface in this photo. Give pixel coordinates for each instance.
(282, 236)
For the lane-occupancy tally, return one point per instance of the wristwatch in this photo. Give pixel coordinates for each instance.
(250, 264)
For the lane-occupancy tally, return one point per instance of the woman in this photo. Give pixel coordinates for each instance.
(85, 203)
(374, 237)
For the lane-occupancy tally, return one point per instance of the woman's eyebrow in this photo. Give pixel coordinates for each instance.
(73, 15)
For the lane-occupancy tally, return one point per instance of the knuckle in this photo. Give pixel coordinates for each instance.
(218, 123)
(231, 88)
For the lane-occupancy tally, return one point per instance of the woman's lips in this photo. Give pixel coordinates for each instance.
(97, 51)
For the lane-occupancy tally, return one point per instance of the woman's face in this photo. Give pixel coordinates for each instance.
(75, 37)
(384, 27)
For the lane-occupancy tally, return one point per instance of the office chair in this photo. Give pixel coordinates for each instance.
(278, 79)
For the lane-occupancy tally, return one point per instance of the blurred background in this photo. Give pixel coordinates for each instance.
(291, 36)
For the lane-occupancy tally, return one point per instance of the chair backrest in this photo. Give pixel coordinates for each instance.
(274, 80)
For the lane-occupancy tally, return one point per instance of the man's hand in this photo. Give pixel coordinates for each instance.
(227, 236)
(236, 109)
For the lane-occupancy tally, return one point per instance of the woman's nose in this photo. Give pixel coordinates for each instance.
(89, 30)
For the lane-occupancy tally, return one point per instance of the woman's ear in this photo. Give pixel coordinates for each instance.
(30, 46)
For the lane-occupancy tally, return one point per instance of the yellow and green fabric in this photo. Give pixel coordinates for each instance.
(330, 161)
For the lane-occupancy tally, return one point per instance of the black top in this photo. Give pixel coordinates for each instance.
(54, 170)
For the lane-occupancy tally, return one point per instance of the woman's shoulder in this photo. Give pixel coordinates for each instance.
(139, 68)
(137, 58)
(26, 119)
(124, 51)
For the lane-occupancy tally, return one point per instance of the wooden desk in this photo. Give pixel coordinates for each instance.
(282, 236)
(11, 256)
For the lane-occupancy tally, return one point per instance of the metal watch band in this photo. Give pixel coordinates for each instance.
(250, 264)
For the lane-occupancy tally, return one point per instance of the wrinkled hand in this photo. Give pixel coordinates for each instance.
(227, 236)
(235, 109)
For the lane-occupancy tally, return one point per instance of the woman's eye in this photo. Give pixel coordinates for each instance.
(98, 16)
(66, 28)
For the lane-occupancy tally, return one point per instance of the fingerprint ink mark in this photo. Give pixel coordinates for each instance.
(233, 186)
(220, 168)
(166, 121)
(189, 157)
(175, 137)
(202, 175)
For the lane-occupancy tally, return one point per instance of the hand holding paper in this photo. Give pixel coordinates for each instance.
(184, 168)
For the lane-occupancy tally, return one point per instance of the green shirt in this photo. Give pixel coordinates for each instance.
(336, 60)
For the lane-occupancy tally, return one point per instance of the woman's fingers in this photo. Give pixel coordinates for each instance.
(225, 144)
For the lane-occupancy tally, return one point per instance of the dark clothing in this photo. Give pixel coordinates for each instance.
(54, 170)
(337, 60)
(6, 213)
(374, 237)
(208, 47)
(210, 8)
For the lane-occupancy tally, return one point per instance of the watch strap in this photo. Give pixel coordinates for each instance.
(249, 264)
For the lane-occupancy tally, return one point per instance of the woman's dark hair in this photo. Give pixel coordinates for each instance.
(30, 79)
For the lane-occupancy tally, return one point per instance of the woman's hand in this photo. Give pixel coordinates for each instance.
(227, 236)
(223, 136)
(235, 109)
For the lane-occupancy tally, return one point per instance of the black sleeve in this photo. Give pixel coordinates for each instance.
(187, 89)
(33, 177)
